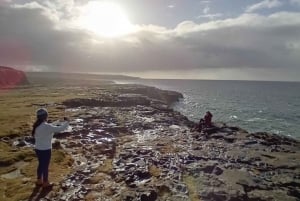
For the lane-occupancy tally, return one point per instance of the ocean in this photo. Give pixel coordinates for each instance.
(256, 106)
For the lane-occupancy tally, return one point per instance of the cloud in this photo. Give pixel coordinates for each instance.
(295, 2)
(171, 6)
(247, 41)
(264, 4)
(205, 2)
(29, 38)
(206, 10)
(210, 16)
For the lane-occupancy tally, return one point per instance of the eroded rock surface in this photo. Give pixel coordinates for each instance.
(147, 152)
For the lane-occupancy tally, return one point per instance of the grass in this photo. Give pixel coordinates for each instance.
(106, 167)
(21, 188)
(154, 171)
(9, 155)
(17, 115)
(192, 187)
(18, 107)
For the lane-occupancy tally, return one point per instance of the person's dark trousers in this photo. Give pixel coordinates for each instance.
(44, 157)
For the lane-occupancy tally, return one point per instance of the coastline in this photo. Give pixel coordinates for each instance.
(254, 106)
(128, 146)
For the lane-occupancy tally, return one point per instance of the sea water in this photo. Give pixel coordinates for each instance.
(253, 105)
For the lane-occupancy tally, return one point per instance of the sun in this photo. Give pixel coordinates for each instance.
(106, 19)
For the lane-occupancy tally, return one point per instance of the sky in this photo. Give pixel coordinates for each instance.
(178, 39)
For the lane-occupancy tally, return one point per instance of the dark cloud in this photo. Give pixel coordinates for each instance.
(33, 37)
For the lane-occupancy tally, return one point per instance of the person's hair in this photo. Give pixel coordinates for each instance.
(40, 119)
(208, 112)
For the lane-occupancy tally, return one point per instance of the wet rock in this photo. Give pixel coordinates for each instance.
(142, 175)
(215, 196)
(29, 139)
(217, 171)
(128, 196)
(56, 145)
(211, 131)
(208, 169)
(232, 128)
(294, 193)
(150, 196)
(250, 142)
(5, 139)
(230, 139)
(20, 143)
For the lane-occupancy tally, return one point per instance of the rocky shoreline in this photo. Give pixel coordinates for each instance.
(130, 145)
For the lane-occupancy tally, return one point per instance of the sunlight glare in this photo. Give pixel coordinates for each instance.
(106, 19)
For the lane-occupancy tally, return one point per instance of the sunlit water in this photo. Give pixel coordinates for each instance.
(255, 106)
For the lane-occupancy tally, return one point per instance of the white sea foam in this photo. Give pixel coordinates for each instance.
(233, 117)
(255, 119)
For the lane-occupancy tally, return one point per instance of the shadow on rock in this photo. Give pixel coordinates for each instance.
(38, 193)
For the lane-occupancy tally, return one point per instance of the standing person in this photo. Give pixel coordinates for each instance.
(43, 134)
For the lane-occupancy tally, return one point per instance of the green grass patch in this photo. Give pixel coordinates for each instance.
(18, 107)
(22, 187)
(192, 187)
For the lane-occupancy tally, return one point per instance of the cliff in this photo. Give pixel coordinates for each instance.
(10, 77)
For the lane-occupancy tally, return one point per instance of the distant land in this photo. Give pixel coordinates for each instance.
(60, 75)
(44, 77)
(12, 77)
